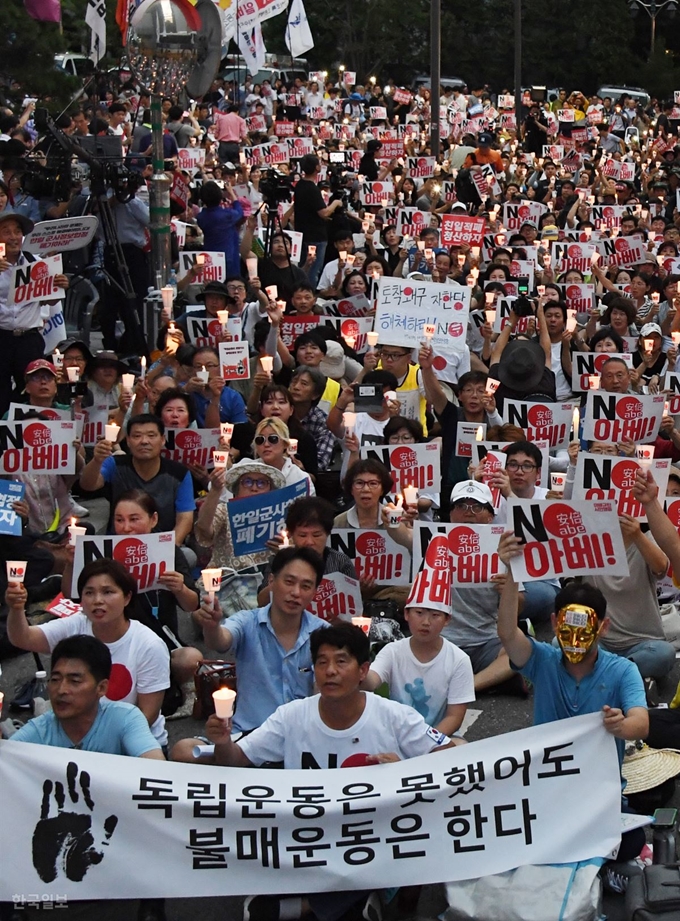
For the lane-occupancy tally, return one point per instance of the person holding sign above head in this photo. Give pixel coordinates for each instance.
(341, 726)
(270, 644)
(576, 676)
(21, 339)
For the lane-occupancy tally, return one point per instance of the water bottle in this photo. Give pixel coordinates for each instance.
(172, 281)
(41, 699)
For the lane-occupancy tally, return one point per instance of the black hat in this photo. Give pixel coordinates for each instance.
(215, 287)
(521, 366)
(107, 358)
(79, 343)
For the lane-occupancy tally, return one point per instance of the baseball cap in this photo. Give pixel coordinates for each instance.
(649, 329)
(40, 364)
(485, 139)
(471, 489)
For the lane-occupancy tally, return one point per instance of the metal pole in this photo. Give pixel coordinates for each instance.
(518, 65)
(159, 198)
(435, 72)
(653, 18)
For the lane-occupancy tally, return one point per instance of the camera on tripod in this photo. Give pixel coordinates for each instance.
(276, 187)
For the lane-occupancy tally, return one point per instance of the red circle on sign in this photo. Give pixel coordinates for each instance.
(574, 251)
(215, 328)
(461, 539)
(357, 759)
(537, 415)
(370, 543)
(573, 291)
(608, 212)
(207, 259)
(120, 682)
(345, 307)
(408, 292)
(439, 363)
(187, 438)
(349, 328)
(624, 473)
(524, 211)
(36, 435)
(629, 408)
(39, 270)
(621, 245)
(437, 553)
(404, 457)
(132, 546)
(377, 186)
(552, 515)
(673, 512)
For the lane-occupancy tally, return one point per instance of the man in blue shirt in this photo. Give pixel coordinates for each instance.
(577, 676)
(215, 401)
(270, 644)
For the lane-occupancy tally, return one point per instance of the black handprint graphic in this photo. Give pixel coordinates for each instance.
(67, 836)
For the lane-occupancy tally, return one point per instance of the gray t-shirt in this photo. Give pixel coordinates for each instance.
(474, 614)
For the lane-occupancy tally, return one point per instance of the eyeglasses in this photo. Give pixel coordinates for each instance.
(368, 484)
(236, 289)
(272, 439)
(475, 508)
(393, 356)
(526, 467)
(205, 364)
(251, 483)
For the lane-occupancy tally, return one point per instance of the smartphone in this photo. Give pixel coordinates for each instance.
(665, 818)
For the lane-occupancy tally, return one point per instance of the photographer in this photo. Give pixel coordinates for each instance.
(312, 214)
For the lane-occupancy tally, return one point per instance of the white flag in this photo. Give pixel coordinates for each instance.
(228, 10)
(298, 34)
(95, 17)
(251, 46)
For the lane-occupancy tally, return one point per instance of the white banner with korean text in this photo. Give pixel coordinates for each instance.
(228, 832)
(405, 306)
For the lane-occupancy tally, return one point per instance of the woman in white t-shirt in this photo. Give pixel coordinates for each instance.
(141, 663)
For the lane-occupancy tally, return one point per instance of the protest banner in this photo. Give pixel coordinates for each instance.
(620, 170)
(580, 298)
(480, 450)
(292, 327)
(402, 96)
(606, 217)
(234, 361)
(10, 492)
(251, 12)
(94, 419)
(462, 228)
(338, 595)
(299, 147)
(61, 235)
(392, 148)
(374, 553)
(410, 222)
(672, 392)
(410, 465)
(585, 363)
(621, 251)
(356, 306)
(256, 519)
(213, 267)
(64, 607)
(420, 167)
(473, 548)
(614, 416)
(191, 446)
(404, 306)
(567, 256)
(560, 538)
(261, 840)
(145, 556)
(599, 476)
(504, 307)
(35, 281)
(493, 462)
(514, 215)
(180, 230)
(466, 435)
(208, 330)
(54, 327)
(377, 193)
(259, 123)
(352, 327)
(19, 411)
(191, 159)
(295, 245)
(549, 421)
(523, 269)
(37, 446)
(377, 112)
(553, 151)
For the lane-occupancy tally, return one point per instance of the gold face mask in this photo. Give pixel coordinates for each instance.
(577, 630)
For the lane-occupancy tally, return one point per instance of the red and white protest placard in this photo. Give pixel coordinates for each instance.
(611, 417)
(524, 269)
(349, 78)
(274, 153)
(282, 129)
(352, 328)
(37, 446)
(377, 112)
(338, 595)
(449, 193)
(621, 170)
(586, 363)
(258, 123)
(504, 308)
(462, 228)
(295, 237)
(299, 147)
(621, 251)
(145, 556)
(64, 607)
(481, 448)
(493, 462)
(466, 434)
(209, 331)
(421, 167)
(377, 193)
(375, 555)
(549, 421)
(605, 217)
(213, 266)
(318, 76)
(404, 306)
(599, 476)
(250, 12)
(180, 230)
(505, 101)
(566, 115)
(672, 388)
(234, 361)
(580, 298)
(566, 538)
(356, 306)
(410, 465)
(191, 159)
(191, 446)
(410, 222)
(402, 96)
(35, 281)
(473, 548)
(392, 148)
(553, 152)
(61, 235)
(514, 215)
(567, 256)
(292, 327)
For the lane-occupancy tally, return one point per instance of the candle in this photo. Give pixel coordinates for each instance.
(595, 258)
(220, 458)
(541, 290)
(349, 420)
(285, 542)
(391, 395)
(593, 382)
(212, 579)
(167, 296)
(16, 570)
(490, 316)
(428, 254)
(293, 447)
(656, 297)
(461, 259)
(479, 434)
(74, 531)
(395, 513)
(111, 432)
(203, 374)
(251, 263)
(223, 317)
(311, 251)
(57, 358)
(224, 702)
(267, 363)
(572, 322)
(488, 297)
(429, 330)
(410, 495)
(557, 481)
(73, 375)
(200, 258)
(364, 623)
(226, 431)
(421, 245)
(172, 327)
(645, 452)
(675, 336)
(575, 419)
(350, 340)
(128, 381)
(2, 250)
(349, 258)
(143, 363)
(372, 339)
(649, 345)
(272, 292)
(492, 385)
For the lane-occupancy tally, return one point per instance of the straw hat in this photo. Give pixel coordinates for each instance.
(647, 768)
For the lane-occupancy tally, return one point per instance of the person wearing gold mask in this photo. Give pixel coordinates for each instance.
(578, 676)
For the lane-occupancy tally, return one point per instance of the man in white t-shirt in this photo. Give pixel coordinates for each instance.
(342, 726)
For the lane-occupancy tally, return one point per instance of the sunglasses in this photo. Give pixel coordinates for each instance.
(272, 439)
(251, 483)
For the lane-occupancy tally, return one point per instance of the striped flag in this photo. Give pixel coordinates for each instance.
(95, 17)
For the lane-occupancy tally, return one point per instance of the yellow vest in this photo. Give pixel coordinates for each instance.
(330, 395)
